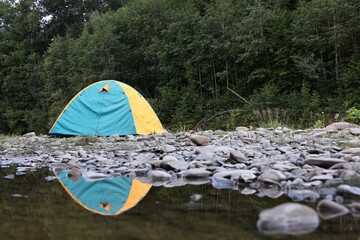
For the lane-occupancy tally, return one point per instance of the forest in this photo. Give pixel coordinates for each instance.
(201, 64)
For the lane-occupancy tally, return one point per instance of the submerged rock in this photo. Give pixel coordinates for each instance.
(159, 176)
(303, 195)
(328, 209)
(288, 218)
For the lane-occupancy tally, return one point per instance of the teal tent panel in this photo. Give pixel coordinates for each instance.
(97, 113)
(113, 191)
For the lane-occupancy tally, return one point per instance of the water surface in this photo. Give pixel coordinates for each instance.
(32, 208)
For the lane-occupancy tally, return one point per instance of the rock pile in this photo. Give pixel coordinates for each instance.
(306, 165)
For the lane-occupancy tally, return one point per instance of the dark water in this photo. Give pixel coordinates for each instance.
(43, 210)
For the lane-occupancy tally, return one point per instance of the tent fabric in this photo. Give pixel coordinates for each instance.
(111, 196)
(107, 108)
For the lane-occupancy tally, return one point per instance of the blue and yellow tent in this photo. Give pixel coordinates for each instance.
(111, 196)
(107, 108)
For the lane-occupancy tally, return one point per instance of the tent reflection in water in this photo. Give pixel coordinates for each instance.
(109, 196)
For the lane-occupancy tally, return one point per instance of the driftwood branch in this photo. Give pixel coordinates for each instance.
(238, 95)
(202, 122)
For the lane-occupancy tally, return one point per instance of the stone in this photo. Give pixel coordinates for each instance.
(74, 174)
(245, 129)
(158, 175)
(57, 153)
(227, 179)
(196, 197)
(238, 156)
(288, 218)
(325, 162)
(196, 173)
(82, 141)
(303, 195)
(322, 177)
(348, 192)
(352, 151)
(272, 191)
(355, 131)
(10, 176)
(272, 175)
(168, 148)
(30, 134)
(328, 209)
(100, 158)
(175, 165)
(199, 140)
(50, 178)
(340, 126)
(284, 167)
(168, 158)
(248, 191)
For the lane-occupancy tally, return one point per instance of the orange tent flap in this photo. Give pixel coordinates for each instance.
(105, 88)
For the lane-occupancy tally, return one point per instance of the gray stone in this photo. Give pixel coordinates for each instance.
(349, 192)
(322, 177)
(248, 191)
(349, 175)
(176, 165)
(74, 174)
(10, 177)
(245, 129)
(352, 151)
(199, 140)
(284, 167)
(168, 158)
(50, 178)
(196, 173)
(355, 131)
(30, 134)
(325, 162)
(100, 158)
(272, 191)
(238, 156)
(272, 175)
(341, 125)
(168, 148)
(288, 218)
(158, 175)
(328, 209)
(303, 195)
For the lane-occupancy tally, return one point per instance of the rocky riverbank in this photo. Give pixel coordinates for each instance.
(306, 165)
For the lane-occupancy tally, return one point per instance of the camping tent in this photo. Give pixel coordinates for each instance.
(109, 196)
(107, 108)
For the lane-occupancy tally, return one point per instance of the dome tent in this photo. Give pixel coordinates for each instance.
(107, 108)
(107, 196)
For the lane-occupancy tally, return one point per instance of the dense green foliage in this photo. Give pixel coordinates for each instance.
(233, 62)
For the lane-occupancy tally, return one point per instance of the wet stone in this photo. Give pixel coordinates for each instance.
(303, 195)
(196, 173)
(288, 218)
(10, 177)
(328, 209)
(158, 175)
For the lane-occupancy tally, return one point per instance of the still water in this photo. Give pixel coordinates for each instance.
(32, 208)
